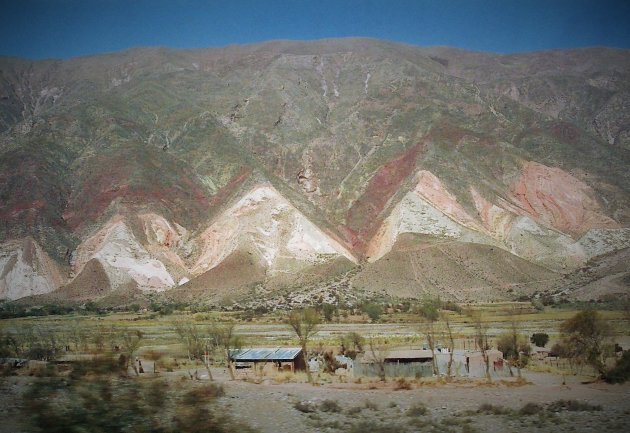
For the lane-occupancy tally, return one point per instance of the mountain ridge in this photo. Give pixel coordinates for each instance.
(524, 152)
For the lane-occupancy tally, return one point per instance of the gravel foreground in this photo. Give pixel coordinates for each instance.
(544, 404)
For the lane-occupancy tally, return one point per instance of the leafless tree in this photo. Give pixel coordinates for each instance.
(200, 344)
(518, 343)
(305, 324)
(192, 337)
(378, 356)
(481, 339)
(451, 343)
(429, 312)
(224, 337)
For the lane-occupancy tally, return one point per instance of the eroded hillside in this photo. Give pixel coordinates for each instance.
(287, 164)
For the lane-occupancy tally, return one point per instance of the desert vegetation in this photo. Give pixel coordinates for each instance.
(81, 361)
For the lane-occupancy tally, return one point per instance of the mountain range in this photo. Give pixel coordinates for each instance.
(350, 165)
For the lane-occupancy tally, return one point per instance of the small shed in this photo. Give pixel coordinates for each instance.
(289, 358)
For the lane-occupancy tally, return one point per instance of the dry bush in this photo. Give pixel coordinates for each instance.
(572, 406)
(402, 383)
(369, 426)
(355, 410)
(284, 377)
(490, 409)
(531, 409)
(370, 405)
(305, 406)
(330, 406)
(95, 400)
(418, 409)
(204, 392)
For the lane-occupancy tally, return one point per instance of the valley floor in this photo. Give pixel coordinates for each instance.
(450, 407)
(271, 407)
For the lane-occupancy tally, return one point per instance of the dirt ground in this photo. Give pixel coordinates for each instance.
(272, 407)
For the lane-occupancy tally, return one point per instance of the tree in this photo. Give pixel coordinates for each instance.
(539, 339)
(200, 341)
(625, 309)
(155, 356)
(7, 344)
(78, 335)
(583, 337)
(515, 348)
(429, 311)
(192, 337)
(451, 344)
(379, 356)
(130, 342)
(481, 339)
(351, 344)
(329, 311)
(620, 373)
(513, 344)
(225, 338)
(304, 323)
(373, 311)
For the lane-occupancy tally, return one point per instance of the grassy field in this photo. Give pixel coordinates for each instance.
(393, 328)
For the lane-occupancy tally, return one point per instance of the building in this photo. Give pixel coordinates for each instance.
(284, 358)
(419, 363)
(396, 363)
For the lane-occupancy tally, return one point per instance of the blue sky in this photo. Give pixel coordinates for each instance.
(67, 28)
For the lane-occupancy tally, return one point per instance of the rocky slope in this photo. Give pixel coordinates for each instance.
(283, 165)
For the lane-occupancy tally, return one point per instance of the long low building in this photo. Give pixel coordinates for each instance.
(419, 363)
(281, 356)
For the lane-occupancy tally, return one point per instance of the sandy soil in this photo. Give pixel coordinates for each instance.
(270, 407)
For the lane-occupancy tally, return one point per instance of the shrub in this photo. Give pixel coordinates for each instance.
(354, 410)
(330, 406)
(101, 403)
(572, 406)
(490, 409)
(402, 383)
(452, 306)
(530, 409)
(369, 426)
(204, 393)
(539, 339)
(417, 409)
(429, 309)
(620, 373)
(370, 405)
(328, 311)
(538, 305)
(304, 406)
(373, 311)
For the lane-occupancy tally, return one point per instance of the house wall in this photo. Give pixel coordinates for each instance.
(476, 367)
(412, 369)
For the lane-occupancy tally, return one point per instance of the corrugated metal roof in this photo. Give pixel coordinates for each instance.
(265, 354)
(392, 355)
(286, 353)
(409, 354)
